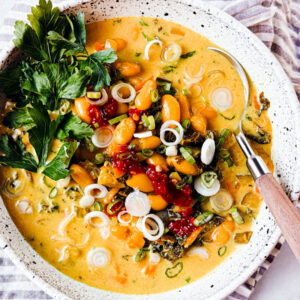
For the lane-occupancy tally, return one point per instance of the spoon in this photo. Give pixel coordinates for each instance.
(282, 209)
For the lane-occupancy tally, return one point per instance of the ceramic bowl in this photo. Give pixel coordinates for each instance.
(267, 75)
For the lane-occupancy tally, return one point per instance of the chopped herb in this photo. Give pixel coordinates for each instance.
(222, 250)
(168, 69)
(227, 118)
(249, 118)
(165, 87)
(188, 54)
(126, 256)
(175, 270)
(188, 279)
(141, 21)
(138, 54)
(141, 254)
(117, 21)
(184, 92)
(148, 38)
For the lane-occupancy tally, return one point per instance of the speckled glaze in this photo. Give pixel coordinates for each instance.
(267, 75)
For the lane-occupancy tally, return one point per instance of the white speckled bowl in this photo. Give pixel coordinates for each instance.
(267, 75)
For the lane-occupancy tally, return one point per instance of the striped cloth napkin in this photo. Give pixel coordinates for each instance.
(275, 22)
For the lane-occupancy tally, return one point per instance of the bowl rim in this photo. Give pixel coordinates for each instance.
(295, 105)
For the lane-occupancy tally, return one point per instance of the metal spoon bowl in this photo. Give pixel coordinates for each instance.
(255, 163)
(279, 204)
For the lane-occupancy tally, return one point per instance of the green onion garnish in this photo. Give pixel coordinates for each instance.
(64, 106)
(203, 218)
(208, 178)
(186, 180)
(93, 95)
(46, 183)
(222, 250)
(145, 120)
(225, 155)
(186, 124)
(147, 152)
(131, 146)
(187, 156)
(188, 279)
(175, 270)
(154, 95)
(99, 158)
(161, 149)
(110, 207)
(158, 117)
(151, 122)
(98, 206)
(140, 255)
(117, 119)
(184, 92)
(141, 21)
(53, 193)
(222, 138)
(236, 215)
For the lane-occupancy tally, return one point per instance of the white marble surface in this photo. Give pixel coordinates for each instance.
(281, 281)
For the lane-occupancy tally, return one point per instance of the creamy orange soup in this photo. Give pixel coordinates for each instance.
(50, 216)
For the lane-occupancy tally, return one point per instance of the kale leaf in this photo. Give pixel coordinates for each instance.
(16, 155)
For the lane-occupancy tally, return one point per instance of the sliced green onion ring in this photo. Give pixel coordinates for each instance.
(110, 207)
(187, 156)
(145, 120)
(203, 218)
(154, 95)
(222, 250)
(53, 193)
(97, 98)
(184, 92)
(64, 106)
(236, 216)
(140, 255)
(98, 206)
(117, 119)
(44, 179)
(161, 149)
(147, 152)
(131, 146)
(158, 117)
(175, 270)
(99, 158)
(186, 124)
(151, 122)
(208, 178)
(93, 95)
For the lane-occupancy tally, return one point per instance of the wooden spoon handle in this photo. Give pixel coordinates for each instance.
(284, 212)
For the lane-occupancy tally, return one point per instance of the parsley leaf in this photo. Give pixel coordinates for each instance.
(79, 28)
(16, 155)
(18, 118)
(42, 135)
(100, 75)
(55, 82)
(27, 40)
(73, 127)
(57, 168)
(10, 81)
(60, 42)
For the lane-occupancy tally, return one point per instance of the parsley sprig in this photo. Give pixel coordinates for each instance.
(56, 67)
